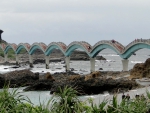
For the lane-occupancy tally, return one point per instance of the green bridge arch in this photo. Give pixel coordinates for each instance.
(133, 49)
(101, 47)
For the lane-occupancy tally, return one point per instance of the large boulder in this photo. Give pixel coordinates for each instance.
(141, 70)
(20, 78)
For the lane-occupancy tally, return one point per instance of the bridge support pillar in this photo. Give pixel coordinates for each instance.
(6, 57)
(125, 64)
(47, 62)
(17, 59)
(67, 61)
(31, 61)
(92, 61)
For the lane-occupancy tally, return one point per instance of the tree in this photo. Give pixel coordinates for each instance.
(1, 31)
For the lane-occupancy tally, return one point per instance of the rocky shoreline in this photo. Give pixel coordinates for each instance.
(94, 83)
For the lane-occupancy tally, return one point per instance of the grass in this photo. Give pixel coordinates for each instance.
(66, 101)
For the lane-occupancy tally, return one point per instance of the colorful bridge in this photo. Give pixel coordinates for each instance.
(123, 51)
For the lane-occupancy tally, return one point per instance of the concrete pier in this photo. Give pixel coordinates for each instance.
(6, 57)
(125, 64)
(92, 62)
(47, 62)
(67, 61)
(31, 60)
(17, 59)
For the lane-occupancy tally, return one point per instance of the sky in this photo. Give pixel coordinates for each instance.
(29, 21)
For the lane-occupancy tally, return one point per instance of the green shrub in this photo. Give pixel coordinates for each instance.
(14, 102)
(66, 101)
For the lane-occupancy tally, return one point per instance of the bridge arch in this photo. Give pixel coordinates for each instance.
(78, 45)
(132, 49)
(36, 46)
(55, 45)
(21, 46)
(10, 46)
(101, 45)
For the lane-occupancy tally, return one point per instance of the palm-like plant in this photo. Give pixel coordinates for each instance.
(66, 101)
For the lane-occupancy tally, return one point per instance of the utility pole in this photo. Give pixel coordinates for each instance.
(1, 31)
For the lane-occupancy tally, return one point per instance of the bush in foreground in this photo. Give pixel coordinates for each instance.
(66, 101)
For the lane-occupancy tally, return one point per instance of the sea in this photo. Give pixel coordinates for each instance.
(113, 63)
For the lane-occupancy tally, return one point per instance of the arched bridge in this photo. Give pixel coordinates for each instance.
(123, 51)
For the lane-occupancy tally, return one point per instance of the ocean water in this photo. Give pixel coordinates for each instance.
(113, 63)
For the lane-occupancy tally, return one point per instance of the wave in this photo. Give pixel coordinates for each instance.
(110, 60)
(136, 62)
(108, 55)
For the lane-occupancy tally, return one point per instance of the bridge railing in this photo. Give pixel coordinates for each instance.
(115, 44)
(136, 41)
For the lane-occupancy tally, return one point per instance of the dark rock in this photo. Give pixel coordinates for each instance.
(15, 67)
(100, 58)
(71, 69)
(20, 78)
(141, 70)
(94, 84)
(100, 68)
(2, 81)
(41, 85)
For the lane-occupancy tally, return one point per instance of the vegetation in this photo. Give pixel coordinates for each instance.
(11, 53)
(66, 101)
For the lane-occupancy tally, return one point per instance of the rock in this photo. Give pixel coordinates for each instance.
(100, 68)
(74, 77)
(94, 85)
(71, 69)
(2, 81)
(20, 78)
(15, 67)
(41, 85)
(93, 75)
(100, 58)
(141, 70)
(49, 76)
(36, 61)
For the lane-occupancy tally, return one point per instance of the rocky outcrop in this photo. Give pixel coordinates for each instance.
(20, 78)
(95, 85)
(100, 58)
(141, 70)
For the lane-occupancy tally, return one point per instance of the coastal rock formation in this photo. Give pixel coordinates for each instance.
(141, 70)
(20, 78)
(95, 85)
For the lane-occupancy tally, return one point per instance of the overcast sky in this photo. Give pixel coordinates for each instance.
(74, 20)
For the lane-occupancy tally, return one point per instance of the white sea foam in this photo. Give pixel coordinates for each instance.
(134, 62)
(108, 55)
